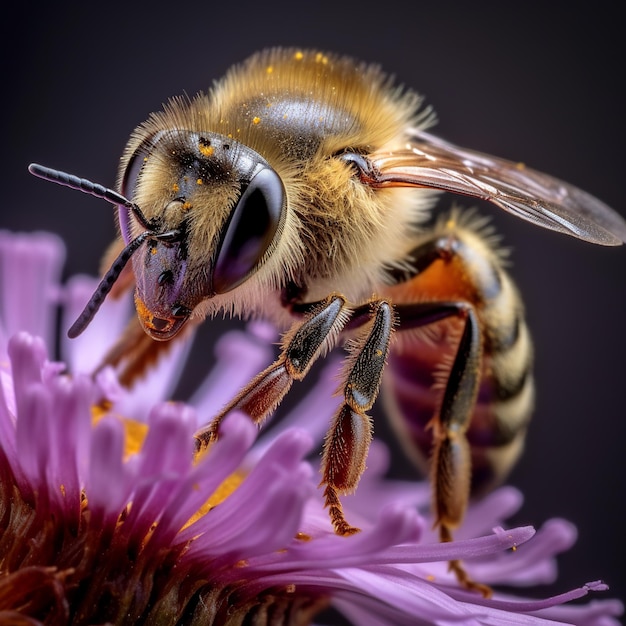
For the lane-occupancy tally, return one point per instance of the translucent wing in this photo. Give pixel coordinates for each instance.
(427, 161)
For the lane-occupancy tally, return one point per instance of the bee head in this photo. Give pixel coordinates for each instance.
(216, 209)
(199, 213)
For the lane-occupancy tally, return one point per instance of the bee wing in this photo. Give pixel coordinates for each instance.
(428, 161)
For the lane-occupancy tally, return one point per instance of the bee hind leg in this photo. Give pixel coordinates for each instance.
(451, 462)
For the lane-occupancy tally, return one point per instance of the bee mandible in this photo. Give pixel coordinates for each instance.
(298, 189)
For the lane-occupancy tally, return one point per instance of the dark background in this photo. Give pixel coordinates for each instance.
(542, 86)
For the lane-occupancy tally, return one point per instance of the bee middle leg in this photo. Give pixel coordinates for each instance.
(348, 439)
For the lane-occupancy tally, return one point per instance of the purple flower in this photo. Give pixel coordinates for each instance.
(97, 531)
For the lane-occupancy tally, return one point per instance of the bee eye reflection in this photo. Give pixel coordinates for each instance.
(254, 226)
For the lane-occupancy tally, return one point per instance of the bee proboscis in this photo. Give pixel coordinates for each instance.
(298, 189)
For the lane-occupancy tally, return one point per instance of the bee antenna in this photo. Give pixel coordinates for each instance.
(107, 282)
(86, 186)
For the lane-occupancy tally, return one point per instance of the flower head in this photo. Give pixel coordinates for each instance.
(110, 520)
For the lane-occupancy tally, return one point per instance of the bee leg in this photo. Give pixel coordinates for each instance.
(302, 345)
(348, 439)
(451, 463)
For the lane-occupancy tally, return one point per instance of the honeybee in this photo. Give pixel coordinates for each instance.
(300, 188)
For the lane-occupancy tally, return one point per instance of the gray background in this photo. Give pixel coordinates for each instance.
(542, 86)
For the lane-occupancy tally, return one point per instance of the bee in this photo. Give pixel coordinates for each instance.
(301, 188)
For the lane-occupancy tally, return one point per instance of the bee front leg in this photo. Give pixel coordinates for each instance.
(302, 345)
(348, 440)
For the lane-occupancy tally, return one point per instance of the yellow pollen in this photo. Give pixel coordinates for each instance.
(513, 548)
(303, 537)
(269, 69)
(206, 150)
(199, 181)
(230, 135)
(256, 120)
(187, 205)
(219, 495)
(134, 432)
(321, 58)
(175, 187)
(430, 578)
(298, 56)
(520, 166)
(134, 436)
(153, 250)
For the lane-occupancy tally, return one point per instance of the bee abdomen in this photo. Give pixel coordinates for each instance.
(506, 397)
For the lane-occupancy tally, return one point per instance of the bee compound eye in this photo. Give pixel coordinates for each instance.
(251, 231)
